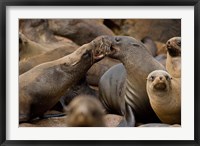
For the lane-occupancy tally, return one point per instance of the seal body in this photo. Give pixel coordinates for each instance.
(111, 89)
(138, 63)
(41, 87)
(173, 62)
(165, 96)
(150, 45)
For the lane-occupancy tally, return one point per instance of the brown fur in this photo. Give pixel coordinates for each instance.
(41, 87)
(81, 31)
(51, 55)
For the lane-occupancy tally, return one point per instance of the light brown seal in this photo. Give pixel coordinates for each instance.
(41, 87)
(130, 79)
(173, 62)
(165, 96)
(85, 111)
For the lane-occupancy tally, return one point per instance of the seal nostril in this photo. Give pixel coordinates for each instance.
(160, 78)
(168, 42)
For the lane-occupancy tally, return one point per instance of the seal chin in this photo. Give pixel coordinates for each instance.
(160, 86)
(173, 51)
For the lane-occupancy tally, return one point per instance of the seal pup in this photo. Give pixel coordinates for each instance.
(85, 111)
(164, 93)
(41, 87)
(137, 62)
(173, 62)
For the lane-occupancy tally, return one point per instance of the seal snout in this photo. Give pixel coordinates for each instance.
(173, 46)
(102, 46)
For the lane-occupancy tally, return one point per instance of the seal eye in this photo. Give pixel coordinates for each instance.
(167, 78)
(135, 44)
(86, 54)
(179, 43)
(151, 78)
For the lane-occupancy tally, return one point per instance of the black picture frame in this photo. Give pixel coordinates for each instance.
(5, 3)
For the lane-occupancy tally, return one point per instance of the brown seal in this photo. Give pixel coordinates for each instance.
(165, 96)
(98, 69)
(173, 63)
(82, 87)
(28, 48)
(51, 55)
(41, 87)
(85, 111)
(78, 29)
(137, 64)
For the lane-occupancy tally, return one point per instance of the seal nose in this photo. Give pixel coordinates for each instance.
(168, 42)
(161, 78)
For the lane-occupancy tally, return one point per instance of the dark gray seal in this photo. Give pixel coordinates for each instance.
(137, 63)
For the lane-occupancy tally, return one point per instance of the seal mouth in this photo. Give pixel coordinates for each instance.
(160, 86)
(102, 48)
(173, 51)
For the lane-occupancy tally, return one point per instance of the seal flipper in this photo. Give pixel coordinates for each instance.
(129, 118)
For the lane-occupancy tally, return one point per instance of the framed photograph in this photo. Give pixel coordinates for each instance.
(51, 52)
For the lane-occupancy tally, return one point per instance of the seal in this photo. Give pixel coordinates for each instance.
(81, 87)
(150, 45)
(162, 59)
(77, 29)
(51, 55)
(111, 87)
(85, 111)
(98, 69)
(138, 63)
(41, 87)
(173, 62)
(28, 48)
(165, 96)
